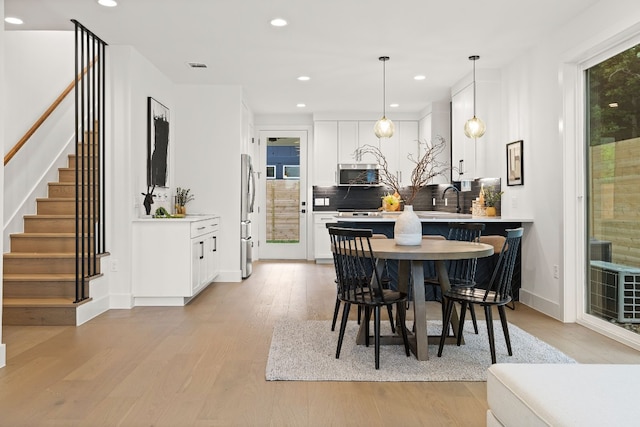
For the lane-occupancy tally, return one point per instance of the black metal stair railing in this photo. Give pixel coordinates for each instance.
(90, 156)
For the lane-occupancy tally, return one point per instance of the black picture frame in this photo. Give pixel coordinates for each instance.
(158, 125)
(515, 163)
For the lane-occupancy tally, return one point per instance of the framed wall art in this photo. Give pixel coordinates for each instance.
(157, 144)
(515, 171)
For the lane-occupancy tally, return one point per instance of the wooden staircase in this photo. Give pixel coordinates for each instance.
(39, 272)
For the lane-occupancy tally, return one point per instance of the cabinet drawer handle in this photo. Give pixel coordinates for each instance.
(202, 250)
(200, 228)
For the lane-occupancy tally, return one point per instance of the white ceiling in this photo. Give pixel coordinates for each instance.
(335, 42)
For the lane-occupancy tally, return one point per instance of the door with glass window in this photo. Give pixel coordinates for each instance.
(612, 290)
(284, 192)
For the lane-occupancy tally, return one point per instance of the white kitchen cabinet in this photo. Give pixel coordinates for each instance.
(396, 149)
(325, 153)
(488, 107)
(366, 136)
(348, 141)
(463, 148)
(174, 259)
(353, 135)
(321, 243)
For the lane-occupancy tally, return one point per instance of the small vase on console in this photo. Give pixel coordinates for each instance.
(408, 228)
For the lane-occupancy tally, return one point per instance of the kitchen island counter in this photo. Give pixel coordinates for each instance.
(430, 216)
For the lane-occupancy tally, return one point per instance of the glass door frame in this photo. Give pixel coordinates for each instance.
(576, 178)
(288, 250)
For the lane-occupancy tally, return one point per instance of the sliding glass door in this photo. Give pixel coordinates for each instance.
(612, 290)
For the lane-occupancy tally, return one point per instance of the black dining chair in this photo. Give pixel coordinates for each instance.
(461, 272)
(359, 280)
(385, 284)
(497, 294)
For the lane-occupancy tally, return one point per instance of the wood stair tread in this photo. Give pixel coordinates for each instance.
(40, 255)
(59, 199)
(46, 235)
(42, 302)
(59, 277)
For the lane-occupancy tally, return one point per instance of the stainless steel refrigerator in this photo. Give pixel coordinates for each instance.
(248, 198)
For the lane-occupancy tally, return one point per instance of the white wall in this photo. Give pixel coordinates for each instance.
(208, 126)
(3, 347)
(133, 79)
(537, 111)
(39, 73)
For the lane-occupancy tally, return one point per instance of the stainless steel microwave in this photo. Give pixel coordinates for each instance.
(358, 174)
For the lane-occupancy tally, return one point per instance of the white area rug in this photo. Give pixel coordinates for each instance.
(305, 351)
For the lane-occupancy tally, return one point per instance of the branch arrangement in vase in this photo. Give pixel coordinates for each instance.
(427, 166)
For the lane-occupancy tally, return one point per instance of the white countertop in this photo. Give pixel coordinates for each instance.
(188, 218)
(432, 216)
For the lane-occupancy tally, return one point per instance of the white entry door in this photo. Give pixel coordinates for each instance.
(283, 191)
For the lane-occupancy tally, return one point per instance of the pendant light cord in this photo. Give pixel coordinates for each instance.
(384, 60)
(474, 58)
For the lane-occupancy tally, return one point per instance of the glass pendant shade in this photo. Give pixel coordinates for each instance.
(384, 128)
(474, 128)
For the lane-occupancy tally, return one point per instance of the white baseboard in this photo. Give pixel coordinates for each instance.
(543, 305)
(121, 301)
(160, 301)
(91, 309)
(3, 355)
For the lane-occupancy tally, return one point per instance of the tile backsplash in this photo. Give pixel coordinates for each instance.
(370, 198)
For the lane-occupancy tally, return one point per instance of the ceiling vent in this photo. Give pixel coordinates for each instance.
(196, 65)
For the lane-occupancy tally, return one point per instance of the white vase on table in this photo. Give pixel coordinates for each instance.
(408, 228)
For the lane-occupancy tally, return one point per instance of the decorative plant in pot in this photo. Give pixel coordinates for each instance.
(408, 228)
(182, 198)
(491, 198)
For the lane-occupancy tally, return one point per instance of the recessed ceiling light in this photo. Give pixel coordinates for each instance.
(613, 105)
(108, 3)
(304, 78)
(12, 20)
(394, 105)
(301, 105)
(420, 77)
(278, 22)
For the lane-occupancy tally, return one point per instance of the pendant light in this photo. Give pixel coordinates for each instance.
(384, 127)
(474, 127)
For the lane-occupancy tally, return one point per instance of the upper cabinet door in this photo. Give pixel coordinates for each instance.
(408, 144)
(367, 137)
(348, 142)
(325, 152)
(463, 149)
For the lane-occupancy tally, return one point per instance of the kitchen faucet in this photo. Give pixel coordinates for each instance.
(451, 187)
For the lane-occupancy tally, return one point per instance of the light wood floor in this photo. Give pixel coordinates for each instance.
(204, 365)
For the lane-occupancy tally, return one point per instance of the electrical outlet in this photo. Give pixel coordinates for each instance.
(114, 265)
(556, 271)
(433, 201)
(446, 202)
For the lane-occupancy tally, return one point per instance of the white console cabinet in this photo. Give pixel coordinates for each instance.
(174, 259)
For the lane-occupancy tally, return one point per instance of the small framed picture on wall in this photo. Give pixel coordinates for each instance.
(515, 170)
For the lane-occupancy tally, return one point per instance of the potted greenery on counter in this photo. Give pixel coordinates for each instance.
(182, 198)
(491, 198)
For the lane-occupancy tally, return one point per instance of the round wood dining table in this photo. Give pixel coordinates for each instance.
(411, 265)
